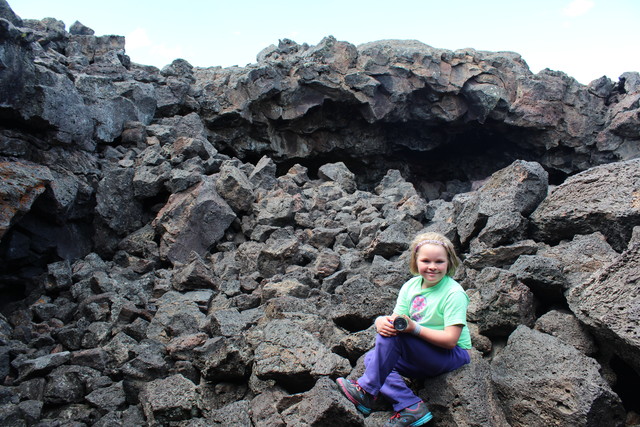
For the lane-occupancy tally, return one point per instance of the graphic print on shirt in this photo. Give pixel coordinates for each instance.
(417, 308)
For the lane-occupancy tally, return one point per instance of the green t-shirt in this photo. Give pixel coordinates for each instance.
(436, 307)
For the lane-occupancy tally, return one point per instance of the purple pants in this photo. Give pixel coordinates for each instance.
(409, 356)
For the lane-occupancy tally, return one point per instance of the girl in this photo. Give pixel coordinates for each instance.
(434, 341)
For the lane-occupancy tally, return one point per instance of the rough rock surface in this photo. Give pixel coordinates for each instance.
(543, 382)
(610, 303)
(604, 199)
(188, 246)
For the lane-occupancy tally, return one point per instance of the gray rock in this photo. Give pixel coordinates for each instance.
(307, 263)
(581, 257)
(96, 334)
(182, 179)
(169, 400)
(109, 398)
(59, 274)
(149, 361)
(339, 173)
(284, 288)
(278, 209)
(73, 414)
(190, 143)
(116, 205)
(466, 215)
(323, 237)
(394, 188)
(601, 199)
(31, 411)
(277, 254)
(246, 256)
(174, 98)
(70, 195)
(180, 348)
(149, 181)
(80, 30)
(22, 185)
(392, 241)
(413, 207)
(111, 104)
(499, 303)
(234, 414)
(11, 415)
(517, 188)
(293, 357)
(543, 381)
(384, 273)
(354, 310)
(7, 13)
(68, 384)
(322, 405)
(544, 276)
(502, 229)
(70, 337)
(565, 326)
(612, 290)
(194, 275)
(112, 418)
(326, 263)
(263, 176)
(520, 187)
(95, 358)
(357, 344)
(223, 359)
(5, 361)
(465, 396)
(192, 221)
(57, 103)
(264, 408)
(234, 186)
(177, 315)
(231, 322)
(502, 256)
(213, 396)
(40, 365)
(178, 68)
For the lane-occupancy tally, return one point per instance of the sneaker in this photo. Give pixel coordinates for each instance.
(364, 401)
(415, 415)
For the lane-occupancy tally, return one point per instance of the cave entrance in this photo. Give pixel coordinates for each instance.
(445, 160)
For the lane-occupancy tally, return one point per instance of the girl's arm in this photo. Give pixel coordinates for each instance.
(448, 338)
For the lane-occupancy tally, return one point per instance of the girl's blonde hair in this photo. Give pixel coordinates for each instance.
(434, 239)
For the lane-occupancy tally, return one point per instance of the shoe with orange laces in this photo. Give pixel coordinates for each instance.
(364, 401)
(414, 415)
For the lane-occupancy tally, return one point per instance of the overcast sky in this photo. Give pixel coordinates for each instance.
(584, 38)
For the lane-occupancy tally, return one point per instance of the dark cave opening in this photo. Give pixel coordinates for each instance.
(446, 157)
(353, 322)
(44, 235)
(626, 385)
(462, 153)
(313, 164)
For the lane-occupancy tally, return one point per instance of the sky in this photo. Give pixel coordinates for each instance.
(586, 39)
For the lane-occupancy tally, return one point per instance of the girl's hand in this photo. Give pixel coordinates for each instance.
(384, 326)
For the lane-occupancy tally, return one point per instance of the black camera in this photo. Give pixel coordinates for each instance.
(400, 323)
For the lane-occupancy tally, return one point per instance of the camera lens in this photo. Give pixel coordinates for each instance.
(400, 323)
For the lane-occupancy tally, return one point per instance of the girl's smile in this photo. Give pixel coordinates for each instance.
(432, 263)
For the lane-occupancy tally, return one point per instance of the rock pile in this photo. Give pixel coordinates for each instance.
(196, 247)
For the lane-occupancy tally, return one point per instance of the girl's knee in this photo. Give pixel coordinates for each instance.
(387, 340)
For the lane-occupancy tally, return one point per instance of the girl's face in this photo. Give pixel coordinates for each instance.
(432, 263)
